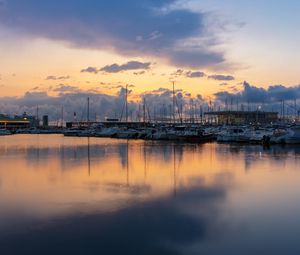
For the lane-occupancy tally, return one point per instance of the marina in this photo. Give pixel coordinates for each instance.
(149, 127)
(190, 133)
(223, 126)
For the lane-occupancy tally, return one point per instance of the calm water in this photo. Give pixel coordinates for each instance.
(101, 196)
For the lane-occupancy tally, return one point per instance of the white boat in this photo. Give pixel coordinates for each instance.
(86, 133)
(258, 135)
(106, 132)
(160, 135)
(125, 133)
(72, 132)
(286, 136)
(233, 134)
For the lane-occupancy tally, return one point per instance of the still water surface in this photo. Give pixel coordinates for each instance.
(101, 196)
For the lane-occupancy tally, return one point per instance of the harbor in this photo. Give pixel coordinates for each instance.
(192, 124)
(246, 129)
(149, 127)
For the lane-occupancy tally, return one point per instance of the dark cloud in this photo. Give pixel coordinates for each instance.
(62, 89)
(234, 88)
(131, 65)
(52, 77)
(111, 86)
(221, 77)
(195, 74)
(139, 73)
(177, 73)
(72, 98)
(90, 70)
(196, 58)
(105, 84)
(253, 94)
(189, 74)
(160, 90)
(132, 28)
(280, 92)
(159, 102)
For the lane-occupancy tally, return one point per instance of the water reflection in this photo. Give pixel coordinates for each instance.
(101, 196)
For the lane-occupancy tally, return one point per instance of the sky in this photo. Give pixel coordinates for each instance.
(52, 49)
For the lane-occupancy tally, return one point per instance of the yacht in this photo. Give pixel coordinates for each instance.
(286, 136)
(233, 134)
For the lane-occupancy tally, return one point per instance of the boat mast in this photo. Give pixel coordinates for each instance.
(88, 109)
(62, 116)
(144, 110)
(126, 103)
(173, 102)
(37, 116)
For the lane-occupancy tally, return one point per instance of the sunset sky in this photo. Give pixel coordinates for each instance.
(98, 46)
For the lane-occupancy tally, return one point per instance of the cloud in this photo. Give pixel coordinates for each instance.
(178, 72)
(160, 90)
(52, 77)
(159, 102)
(188, 74)
(252, 94)
(280, 92)
(139, 73)
(234, 88)
(90, 70)
(161, 28)
(131, 65)
(62, 88)
(73, 99)
(195, 74)
(221, 77)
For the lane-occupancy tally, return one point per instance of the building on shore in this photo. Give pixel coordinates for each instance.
(242, 117)
(17, 122)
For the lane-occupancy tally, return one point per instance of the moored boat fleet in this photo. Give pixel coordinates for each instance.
(283, 134)
(286, 134)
